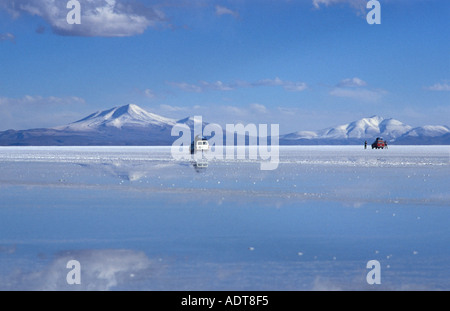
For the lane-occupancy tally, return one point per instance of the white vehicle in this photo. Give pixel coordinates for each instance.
(199, 144)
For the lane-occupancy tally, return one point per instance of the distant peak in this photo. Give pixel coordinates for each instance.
(130, 108)
(185, 119)
(133, 107)
(190, 118)
(376, 117)
(129, 115)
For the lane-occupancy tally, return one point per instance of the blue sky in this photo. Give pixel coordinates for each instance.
(303, 64)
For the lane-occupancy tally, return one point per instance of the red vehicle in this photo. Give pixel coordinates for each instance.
(379, 143)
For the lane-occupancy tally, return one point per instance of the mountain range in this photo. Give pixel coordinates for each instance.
(131, 125)
(392, 130)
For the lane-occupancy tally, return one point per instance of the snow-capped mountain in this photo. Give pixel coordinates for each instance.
(119, 126)
(360, 129)
(366, 129)
(428, 134)
(428, 130)
(129, 116)
(132, 125)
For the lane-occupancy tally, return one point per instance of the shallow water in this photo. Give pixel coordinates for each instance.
(137, 219)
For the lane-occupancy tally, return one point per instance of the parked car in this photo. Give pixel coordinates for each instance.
(379, 143)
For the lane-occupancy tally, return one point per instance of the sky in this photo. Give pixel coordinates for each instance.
(302, 64)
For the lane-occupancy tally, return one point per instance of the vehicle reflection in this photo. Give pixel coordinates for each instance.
(200, 165)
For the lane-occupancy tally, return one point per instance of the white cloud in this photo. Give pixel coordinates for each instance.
(186, 86)
(7, 37)
(355, 88)
(268, 82)
(358, 4)
(112, 18)
(32, 111)
(287, 85)
(218, 85)
(358, 94)
(295, 86)
(288, 111)
(234, 110)
(221, 10)
(353, 82)
(34, 100)
(149, 93)
(221, 86)
(258, 108)
(445, 86)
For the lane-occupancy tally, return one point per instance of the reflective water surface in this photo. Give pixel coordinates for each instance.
(136, 219)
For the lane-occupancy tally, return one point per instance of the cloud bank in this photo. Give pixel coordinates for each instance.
(357, 4)
(31, 111)
(99, 18)
(221, 10)
(445, 86)
(356, 88)
(7, 37)
(203, 86)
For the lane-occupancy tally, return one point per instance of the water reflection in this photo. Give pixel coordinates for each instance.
(200, 165)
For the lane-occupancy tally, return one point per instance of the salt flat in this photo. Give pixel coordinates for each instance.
(135, 218)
